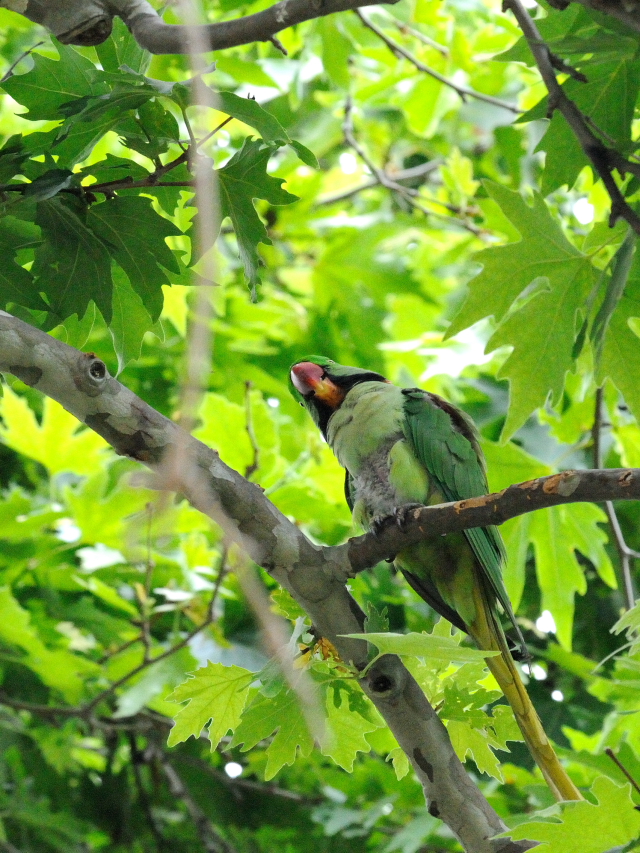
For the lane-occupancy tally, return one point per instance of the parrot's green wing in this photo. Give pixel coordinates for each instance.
(445, 442)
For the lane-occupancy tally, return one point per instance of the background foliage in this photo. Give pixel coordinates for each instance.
(372, 214)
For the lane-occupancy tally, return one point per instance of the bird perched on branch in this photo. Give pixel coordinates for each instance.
(404, 446)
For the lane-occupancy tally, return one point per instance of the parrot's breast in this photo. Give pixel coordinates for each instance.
(366, 434)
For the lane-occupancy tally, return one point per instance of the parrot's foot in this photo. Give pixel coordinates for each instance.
(402, 514)
(400, 517)
(379, 522)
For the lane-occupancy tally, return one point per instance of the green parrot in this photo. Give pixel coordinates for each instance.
(403, 446)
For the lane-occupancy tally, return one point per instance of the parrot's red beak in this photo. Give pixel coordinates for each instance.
(309, 378)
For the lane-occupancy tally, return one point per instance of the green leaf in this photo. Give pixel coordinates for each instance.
(122, 50)
(629, 622)
(131, 320)
(607, 101)
(347, 727)
(284, 604)
(477, 734)
(471, 741)
(49, 184)
(57, 668)
(336, 52)
(17, 284)
(136, 235)
(243, 179)
(215, 696)
(305, 154)
(619, 356)
(72, 265)
(584, 827)
(58, 442)
(253, 114)
(622, 263)
(557, 534)
(541, 330)
(224, 426)
(242, 70)
(76, 141)
(542, 253)
(152, 682)
(52, 83)
(376, 621)
(443, 649)
(564, 159)
(401, 766)
(97, 505)
(280, 714)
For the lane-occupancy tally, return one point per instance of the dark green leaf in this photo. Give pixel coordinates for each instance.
(49, 184)
(72, 265)
(122, 50)
(136, 234)
(52, 83)
(243, 179)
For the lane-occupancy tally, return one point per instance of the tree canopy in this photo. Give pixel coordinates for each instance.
(445, 193)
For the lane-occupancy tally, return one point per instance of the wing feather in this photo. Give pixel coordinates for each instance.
(446, 442)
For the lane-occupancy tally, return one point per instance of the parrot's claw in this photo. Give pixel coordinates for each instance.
(378, 523)
(402, 514)
(400, 517)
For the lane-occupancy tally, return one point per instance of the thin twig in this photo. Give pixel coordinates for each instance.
(8, 73)
(624, 552)
(147, 663)
(604, 159)
(462, 91)
(292, 473)
(144, 599)
(253, 467)
(406, 30)
(621, 766)
(138, 758)
(400, 175)
(208, 136)
(264, 789)
(210, 838)
(153, 179)
(107, 655)
(408, 194)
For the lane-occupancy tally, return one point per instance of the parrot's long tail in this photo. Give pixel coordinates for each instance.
(489, 636)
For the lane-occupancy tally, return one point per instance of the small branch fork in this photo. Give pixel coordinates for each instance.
(382, 177)
(603, 158)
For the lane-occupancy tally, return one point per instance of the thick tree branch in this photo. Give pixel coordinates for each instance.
(568, 487)
(312, 574)
(89, 22)
(603, 158)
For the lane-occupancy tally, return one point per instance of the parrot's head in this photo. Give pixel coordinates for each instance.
(320, 385)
